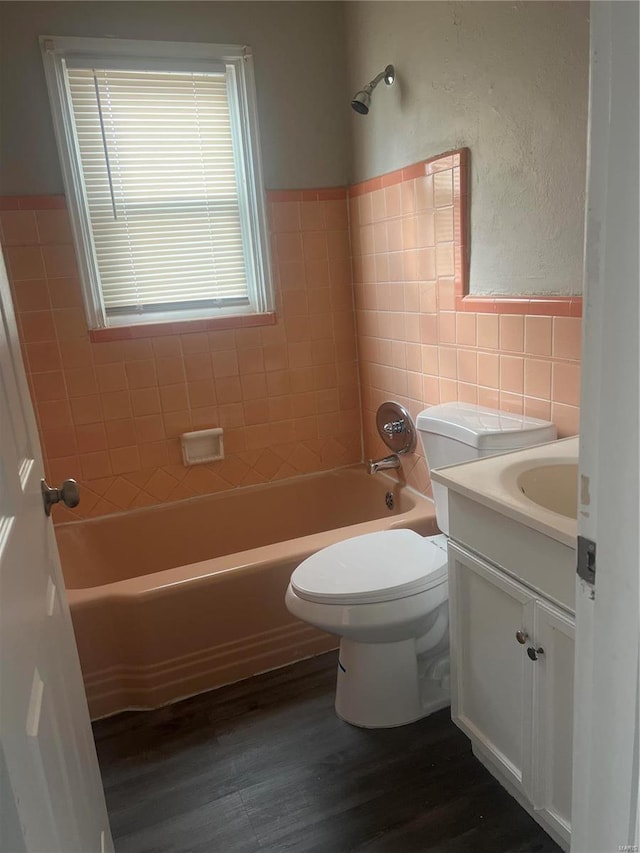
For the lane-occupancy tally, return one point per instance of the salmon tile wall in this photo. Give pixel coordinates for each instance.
(110, 413)
(293, 397)
(408, 233)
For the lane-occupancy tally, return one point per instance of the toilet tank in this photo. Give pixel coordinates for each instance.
(452, 433)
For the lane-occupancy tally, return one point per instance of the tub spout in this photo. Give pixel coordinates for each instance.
(392, 461)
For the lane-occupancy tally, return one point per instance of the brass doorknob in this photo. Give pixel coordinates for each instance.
(68, 493)
(522, 637)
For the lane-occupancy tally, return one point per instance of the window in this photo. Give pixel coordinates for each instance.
(159, 149)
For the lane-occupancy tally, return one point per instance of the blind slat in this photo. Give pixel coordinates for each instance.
(157, 156)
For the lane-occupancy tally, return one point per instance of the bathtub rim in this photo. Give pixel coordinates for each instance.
(358, 467)
(214, 570)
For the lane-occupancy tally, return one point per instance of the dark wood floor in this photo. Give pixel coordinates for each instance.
(266, 765)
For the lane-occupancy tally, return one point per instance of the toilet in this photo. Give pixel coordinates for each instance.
(385, 594)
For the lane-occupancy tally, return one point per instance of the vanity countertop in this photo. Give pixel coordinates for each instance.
(495, 482)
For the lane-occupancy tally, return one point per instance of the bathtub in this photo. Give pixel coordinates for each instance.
(174, 600)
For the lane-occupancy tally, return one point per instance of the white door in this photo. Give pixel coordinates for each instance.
(51, 796)
(553, 716)
(491, 674)
(606, 807)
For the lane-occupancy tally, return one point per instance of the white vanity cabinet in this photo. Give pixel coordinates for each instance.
(512, 685)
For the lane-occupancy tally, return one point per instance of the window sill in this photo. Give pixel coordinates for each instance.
(181, 327)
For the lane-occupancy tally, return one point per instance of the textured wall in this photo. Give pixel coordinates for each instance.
(507, 80)
(298, 49)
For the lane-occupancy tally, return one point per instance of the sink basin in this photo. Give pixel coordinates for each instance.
(536, 487)
(554, 487)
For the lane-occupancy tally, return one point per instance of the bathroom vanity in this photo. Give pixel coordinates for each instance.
(512, 523)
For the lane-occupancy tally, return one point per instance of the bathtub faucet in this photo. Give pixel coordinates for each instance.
(392, 461)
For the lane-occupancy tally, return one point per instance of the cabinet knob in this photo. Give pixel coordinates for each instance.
(535, 653)
(522, 637)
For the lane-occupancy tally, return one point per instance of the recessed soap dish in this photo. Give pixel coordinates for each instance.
(203, 445)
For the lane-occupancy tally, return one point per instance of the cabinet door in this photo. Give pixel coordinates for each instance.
(553, 716)
(491, 674)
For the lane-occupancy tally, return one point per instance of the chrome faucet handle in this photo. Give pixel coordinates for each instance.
(395, 427)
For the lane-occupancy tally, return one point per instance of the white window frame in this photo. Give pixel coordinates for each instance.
(166, 56)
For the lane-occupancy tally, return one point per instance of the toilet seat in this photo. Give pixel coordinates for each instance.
(357, 570)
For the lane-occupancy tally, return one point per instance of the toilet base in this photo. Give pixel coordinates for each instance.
(379, 685)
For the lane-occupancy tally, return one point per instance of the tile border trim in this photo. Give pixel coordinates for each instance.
(439, 163)
(544, 306)
(458, 161)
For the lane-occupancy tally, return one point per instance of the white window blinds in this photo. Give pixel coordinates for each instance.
(162, 189)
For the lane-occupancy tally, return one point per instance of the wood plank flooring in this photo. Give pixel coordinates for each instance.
(265, 765)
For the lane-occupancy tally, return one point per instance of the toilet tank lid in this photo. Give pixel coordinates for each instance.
(478, 426)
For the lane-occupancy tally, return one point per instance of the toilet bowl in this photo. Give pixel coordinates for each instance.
(386, 595)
